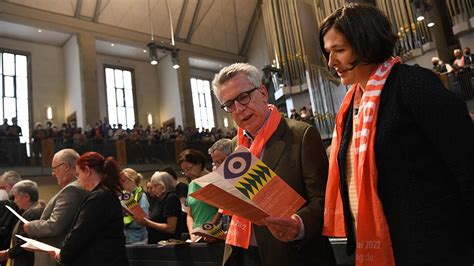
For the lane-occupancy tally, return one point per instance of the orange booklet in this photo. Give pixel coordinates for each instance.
(247, 187)
(132, 207)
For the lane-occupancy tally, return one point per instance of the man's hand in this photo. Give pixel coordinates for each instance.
(283, 229)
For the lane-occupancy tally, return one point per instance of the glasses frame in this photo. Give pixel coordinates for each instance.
(226, 106)
(57, 166)
(184, 171)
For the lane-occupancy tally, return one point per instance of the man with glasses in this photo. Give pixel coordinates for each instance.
(295, 152)
(58, 216)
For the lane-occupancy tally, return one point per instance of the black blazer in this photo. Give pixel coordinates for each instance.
(97, 237)
(424, 151)
(18, 255)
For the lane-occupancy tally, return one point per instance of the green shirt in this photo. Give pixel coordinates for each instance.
(201, 212)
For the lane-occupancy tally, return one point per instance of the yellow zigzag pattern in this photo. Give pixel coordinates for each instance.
(254, 179)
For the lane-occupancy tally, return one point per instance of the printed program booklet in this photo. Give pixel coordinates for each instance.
(247, 187)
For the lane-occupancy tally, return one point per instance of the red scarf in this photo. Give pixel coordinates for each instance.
(240, 229)
(373, 246)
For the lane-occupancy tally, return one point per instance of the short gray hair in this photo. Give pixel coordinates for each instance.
(223, 145)
(164, 179)
(68, 156)
(227, 73)
(10, 177)
(26, 187)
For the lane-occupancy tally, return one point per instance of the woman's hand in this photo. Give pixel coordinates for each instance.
(194, 238)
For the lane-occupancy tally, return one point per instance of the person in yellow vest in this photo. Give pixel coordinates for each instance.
(135, 230)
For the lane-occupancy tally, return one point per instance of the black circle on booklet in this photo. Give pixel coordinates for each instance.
(207, 226)
(237, 164)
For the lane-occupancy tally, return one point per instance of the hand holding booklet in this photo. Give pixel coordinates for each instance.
(132, 207)
(210, 230)
(247, 187)
(35, 245)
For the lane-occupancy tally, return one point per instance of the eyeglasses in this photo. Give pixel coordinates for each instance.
(54, 167)
(243, 98)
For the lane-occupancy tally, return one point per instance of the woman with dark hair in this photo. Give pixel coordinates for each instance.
(193, 164)
(97, 237)
(401, 183)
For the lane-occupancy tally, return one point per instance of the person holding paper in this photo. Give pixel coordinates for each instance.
(97, 235)
(135, 229)
(26, 197)
(56, 220)
(193, 163)
(165, 218)
(295, 152)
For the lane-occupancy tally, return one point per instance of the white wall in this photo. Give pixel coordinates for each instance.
(257, 53)
(146, 88)
(467, 41)
(47, 78)
(74, 98)
(424, 60)
(300, 100)
(169, 99)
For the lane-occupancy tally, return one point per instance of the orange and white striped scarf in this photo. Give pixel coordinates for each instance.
(240, 229)
(374, 246)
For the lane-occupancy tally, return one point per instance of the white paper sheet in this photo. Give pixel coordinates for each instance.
(17, 214)
(36, 245)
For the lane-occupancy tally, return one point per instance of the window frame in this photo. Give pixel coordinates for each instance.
(213, 107)
(29, 89)
(134, 92)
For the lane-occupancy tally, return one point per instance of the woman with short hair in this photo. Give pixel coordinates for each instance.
(401, 172)
(166, 215)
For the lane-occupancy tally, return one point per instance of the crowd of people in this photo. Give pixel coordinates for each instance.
(85, 218)
(398, 184)
(461, 67)
(69, 133)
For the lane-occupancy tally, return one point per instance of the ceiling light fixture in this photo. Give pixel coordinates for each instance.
(152, 46)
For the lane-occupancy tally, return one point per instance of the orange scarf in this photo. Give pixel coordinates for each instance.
(373, 246)
(240, 229)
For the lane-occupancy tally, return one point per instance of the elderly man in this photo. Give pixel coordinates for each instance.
(7, 219)
(26, 197)
(57, 218)
(219, 151)
(295, 152)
